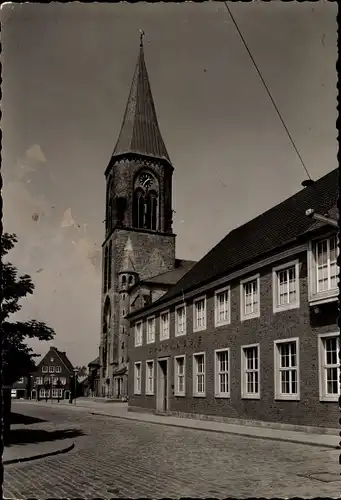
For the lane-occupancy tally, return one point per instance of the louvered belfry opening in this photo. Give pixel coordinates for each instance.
(145, 210)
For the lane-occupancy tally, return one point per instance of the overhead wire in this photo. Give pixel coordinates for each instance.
(267, 89)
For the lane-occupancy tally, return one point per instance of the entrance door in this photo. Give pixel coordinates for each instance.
(162, 386)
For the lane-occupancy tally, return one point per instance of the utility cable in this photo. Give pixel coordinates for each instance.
(267, 89)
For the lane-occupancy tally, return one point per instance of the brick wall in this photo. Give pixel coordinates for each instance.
(264, 330)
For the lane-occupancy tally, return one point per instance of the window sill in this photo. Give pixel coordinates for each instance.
(149, 394)
(137, 345)
(222, 396)
(201, 329)
(150, 342)
(137, 394)
(179, 334)
(164, 338)
(286, 307)
(223, 323)
(179, 395)
(287, 397)
(249, 316)
(329, 399)
(251, 396)
(203, 395)
(323, 298)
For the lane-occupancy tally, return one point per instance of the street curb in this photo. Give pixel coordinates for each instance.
(271, 438)
(38, 456)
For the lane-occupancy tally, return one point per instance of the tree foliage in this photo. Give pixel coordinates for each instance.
(18, 357)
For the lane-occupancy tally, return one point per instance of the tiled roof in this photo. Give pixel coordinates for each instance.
(140, 133)
(262, 236)
(64, 358)
(95, 362)
(171, 277)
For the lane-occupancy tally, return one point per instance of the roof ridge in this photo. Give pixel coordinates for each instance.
(278, 226)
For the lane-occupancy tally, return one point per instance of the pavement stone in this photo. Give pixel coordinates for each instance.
(120, 410)
(118, 458)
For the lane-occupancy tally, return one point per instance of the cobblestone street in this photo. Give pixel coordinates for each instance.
(119, 458)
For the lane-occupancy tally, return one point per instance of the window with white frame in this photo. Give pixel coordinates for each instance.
(199, 374)
(179, 375)
(286, 369)
(137, 378)
(222, 307)
(199, 314)
(150, 330)
(323, 269)
(39, 380)
(329, 366)
(222, 364)
(250, 298)
(51, 369)
(149, 377)
(180, 320)
(138, 334)
(43, 393)
(285, 282)
(164, 325)
(58, 369)
(44, 369)
(57, 393)
(250, 372)
(326, 264)
(62, 380)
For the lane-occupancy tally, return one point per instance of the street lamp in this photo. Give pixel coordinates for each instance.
(75, 371)
(322, 218)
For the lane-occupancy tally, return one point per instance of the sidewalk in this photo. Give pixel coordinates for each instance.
(120, 410)
(35, 438)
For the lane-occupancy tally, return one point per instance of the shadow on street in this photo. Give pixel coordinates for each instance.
(18, 418)
(25, 436)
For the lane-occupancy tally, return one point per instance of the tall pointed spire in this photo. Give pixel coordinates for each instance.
(140, 131)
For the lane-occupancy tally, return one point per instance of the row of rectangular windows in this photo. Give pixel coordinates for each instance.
(287, 379)
(56, 393)
(285, 296)
(53, 380)
(51, 369)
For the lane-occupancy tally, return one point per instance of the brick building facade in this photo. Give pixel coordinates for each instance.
(250, 332)
(54, 376)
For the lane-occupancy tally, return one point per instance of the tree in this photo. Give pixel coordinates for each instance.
(17, 356)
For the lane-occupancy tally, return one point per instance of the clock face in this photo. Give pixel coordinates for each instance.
(146, 180)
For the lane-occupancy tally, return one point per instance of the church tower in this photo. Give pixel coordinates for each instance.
(139, 241)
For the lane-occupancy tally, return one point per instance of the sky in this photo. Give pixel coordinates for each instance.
(67, 70)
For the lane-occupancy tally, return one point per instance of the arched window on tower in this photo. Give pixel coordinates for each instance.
(109, 265)
(145, 202)
(105, 277)
(109, 205)
(124, 280)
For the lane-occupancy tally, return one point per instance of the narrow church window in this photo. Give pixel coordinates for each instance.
(105, 278)
(130, 280)
(148, 212)
(109, 265)
(154, 213)
(124, 280)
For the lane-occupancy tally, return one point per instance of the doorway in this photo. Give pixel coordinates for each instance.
(162, 386)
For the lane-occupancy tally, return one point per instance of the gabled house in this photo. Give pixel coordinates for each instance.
(250, 332)
(53, 377)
